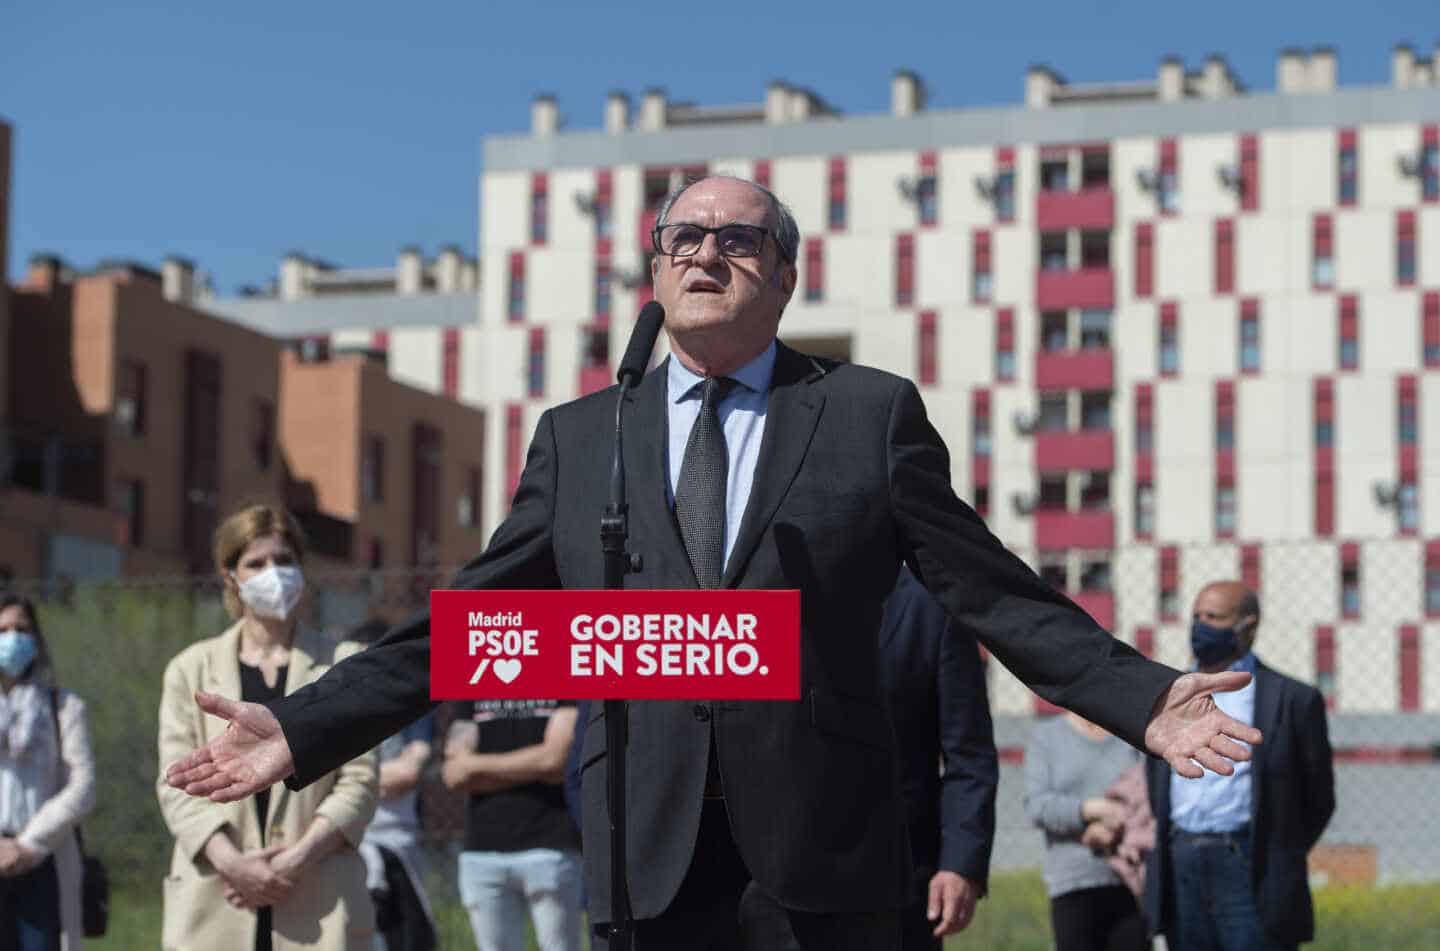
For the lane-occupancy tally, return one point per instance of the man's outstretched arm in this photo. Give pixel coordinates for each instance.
(371, 695)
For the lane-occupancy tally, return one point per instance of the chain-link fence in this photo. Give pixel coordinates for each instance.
(1350, 617)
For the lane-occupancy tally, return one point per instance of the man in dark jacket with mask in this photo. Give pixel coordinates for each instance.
(1228, 869)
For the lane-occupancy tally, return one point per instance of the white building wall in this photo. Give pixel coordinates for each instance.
(1364, 249)
(1365, 454)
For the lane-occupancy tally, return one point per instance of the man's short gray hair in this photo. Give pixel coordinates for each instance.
(782, 223)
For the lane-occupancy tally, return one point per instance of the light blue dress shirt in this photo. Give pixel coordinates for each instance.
(742, 416)
(1215, 803)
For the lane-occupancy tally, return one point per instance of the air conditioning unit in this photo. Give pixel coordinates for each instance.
(985, 188)
(1022, 503)
(585, 201)
(1387, 495)
(1230, 177)
(629, 278)
(1025, 423)
(909, 186)
(1409, 165)
(1148, 180)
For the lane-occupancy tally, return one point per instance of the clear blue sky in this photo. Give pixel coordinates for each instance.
(231, 133)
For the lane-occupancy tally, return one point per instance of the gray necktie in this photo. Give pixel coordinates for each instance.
(700, 494)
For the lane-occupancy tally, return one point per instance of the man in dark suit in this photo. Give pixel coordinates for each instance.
(1228, 869)
(750, 465)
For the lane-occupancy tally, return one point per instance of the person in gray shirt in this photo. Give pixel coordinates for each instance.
(1069, 763)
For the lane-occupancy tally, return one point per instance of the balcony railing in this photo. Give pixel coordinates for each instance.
(1061, 529)
(1086, 287)
(1090, 208)
(1088, 369)
(1087, 449)
(1098, 604)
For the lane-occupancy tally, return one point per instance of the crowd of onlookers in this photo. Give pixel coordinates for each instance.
(1132, 849)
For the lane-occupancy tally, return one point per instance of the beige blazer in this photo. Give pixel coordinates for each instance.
(330, 907)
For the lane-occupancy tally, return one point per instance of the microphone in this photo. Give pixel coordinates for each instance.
(642, 341)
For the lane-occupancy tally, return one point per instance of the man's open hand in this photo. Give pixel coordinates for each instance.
(249, 756)
(1186, 727)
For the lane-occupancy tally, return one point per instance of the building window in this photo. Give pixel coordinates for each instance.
(927, 191)
(1054, 415)
(981, 283)
(515, 301)
(262, 433)
(1430, 165)
(1095, 167)
(980, 437)
(604, 280)
(1408, 414)
(1224, 256)
(1250, 336)
(1095, 575)
(594, 348)
(539, 208)
(1169, 587)
(927, 348)
(1224, 417)
(1430, 328)
(904, 270)
(760, 173)
(1054, 493)
(1250, 567)
(1169, 339)
(1054, 331)
(1095, 250)
(1095, 410)
(372, 469)
(1225, 510)
(1250, 172)
(130, 384)
(1348, 169)
(1144, 419)
(1144, 511)
(130, 502)
(450, 362)
(1409, 665)
(604, 191)
(982, 500)
(1324, 419)
(1053, 571)
(1095, 492)
(468, 513)
(375, 558)
(1004, 184)
(1432, 580)
(814, 270)
(1325, 680)
(314, 349)
(1167, 184)
(1054, 255)
(1350, 582)
(1405, 248)
(535, 364)
(1322, 254)
(1408, 507)
(1144, 259)
(1005, 344)
(836, 214)
(1055, 170)
(1349, 351)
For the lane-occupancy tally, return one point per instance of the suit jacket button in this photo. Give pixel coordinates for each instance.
(702, 712)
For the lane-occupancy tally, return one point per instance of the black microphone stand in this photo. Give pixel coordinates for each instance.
(614, 533)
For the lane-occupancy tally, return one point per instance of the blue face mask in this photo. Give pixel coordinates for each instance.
(18, 651)
(1211, 644)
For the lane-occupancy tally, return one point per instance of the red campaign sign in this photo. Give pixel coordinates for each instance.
(602, 644)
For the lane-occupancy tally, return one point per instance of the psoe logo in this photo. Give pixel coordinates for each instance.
(498, 642)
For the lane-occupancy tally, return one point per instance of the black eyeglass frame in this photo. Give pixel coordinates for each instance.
(764, 233)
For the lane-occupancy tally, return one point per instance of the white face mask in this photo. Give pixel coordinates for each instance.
(274, 592)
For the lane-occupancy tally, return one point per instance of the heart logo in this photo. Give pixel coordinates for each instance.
(507, 669)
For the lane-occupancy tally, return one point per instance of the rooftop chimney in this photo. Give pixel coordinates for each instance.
(1402, 66)
(177, 279)
(409, 271)
(1323, 69)
(1216, 81)
(46, 271)
(1171, 79)
(544, 116)
(652, 110)
(1040, 84)
(1292, 72)
(447, 269)
(294, 272)
(617, 113)
(907, 94)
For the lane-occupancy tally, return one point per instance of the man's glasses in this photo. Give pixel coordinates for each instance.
(732, 241)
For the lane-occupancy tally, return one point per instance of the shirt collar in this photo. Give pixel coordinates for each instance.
(755, 375)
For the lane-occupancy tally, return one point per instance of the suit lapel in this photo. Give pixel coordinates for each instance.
(647, 472)
(790, 417)
(1267, 716)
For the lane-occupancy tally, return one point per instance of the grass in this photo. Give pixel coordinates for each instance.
(1016, 917)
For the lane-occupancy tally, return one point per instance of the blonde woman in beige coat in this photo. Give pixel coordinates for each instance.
(294, 880)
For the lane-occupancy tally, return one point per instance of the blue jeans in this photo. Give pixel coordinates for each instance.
(1214, 900)
(499, 888)
(30, 909)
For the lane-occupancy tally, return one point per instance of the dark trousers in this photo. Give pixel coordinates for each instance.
(718, 908)
(917, 931)
(1098, 919)
(399, 913)
(30, 910)
(1214, 901)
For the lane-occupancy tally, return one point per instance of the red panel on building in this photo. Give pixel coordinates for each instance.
(1089, 450)
(514, 451)
(1145, 641)
(451, 362)
(1407, 252)
(1085, 287)
(1005, 344)
(1090, 208)
(1250, 566)
(647, 228)
(904, 270)
(1324, 439)
(1098, 604)
(814, 269)
(1144, 259)
(1224, 256)
(1325, 663)
(593, 379)
(1430, 328)
(761, 172)
(980, 422)
(1322, 248)
(1059, 529)
(1091, 369)
(380, 341)
(1250, 172)
(926, 344)
(981, 281)
(1409, 667)
(1408, 436)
